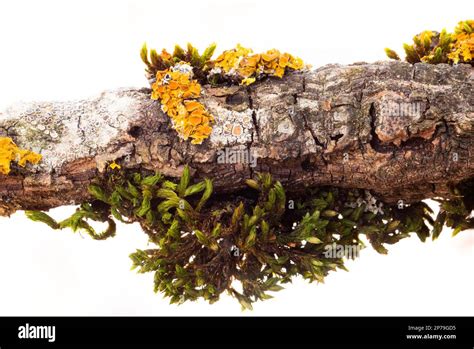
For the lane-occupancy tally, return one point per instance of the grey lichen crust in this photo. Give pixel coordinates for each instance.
(64, 132)
(402, 131)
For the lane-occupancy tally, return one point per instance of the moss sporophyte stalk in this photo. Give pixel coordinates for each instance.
(251, 242)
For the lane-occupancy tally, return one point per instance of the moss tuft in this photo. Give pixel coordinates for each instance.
(433, 47)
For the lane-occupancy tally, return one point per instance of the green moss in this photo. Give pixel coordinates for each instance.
(155, 61)
(260, 238)
(434, 48)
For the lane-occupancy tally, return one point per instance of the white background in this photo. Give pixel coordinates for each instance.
(75, 49)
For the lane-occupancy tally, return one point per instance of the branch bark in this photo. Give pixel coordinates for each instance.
(402, 131)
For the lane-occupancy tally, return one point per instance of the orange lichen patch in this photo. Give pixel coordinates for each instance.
(10, 152)
(195, 119)
(230, 59)
(463, 46)
(115, 166)
(192, 105)
(274, 63)
(248, 67)
(237, 130)
(270, 55)
(271, 63)
(247, 81)
(177, 93)
(463, 49)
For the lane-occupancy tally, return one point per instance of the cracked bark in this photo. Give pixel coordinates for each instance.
(330, 126)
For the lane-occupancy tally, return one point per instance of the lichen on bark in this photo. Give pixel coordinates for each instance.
(333, 123)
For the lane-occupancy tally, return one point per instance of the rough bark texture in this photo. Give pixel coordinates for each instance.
(332, 126)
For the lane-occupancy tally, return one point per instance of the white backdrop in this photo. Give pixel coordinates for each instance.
(75, 49)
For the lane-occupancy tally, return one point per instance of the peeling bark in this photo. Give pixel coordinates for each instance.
(332, 126)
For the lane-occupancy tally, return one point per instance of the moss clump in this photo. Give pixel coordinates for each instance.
(433, 47)
(9, 152)
(156, 62)
(177, 78)
(251, 243)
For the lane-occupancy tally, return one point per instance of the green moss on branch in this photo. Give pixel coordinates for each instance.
(251, 243)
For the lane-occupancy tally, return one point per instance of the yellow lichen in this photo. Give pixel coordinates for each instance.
(230, 59)
(433, 47)
(177, 93)
(114, 166)
(463, 46)
(247, 81)
(178, 77)
(10, 152)
(248, 67)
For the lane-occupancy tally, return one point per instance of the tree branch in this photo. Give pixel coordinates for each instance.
(402, 131)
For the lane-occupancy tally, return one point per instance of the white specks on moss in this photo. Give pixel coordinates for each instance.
(371, 203)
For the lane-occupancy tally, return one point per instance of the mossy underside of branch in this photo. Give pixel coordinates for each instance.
(250, 243)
